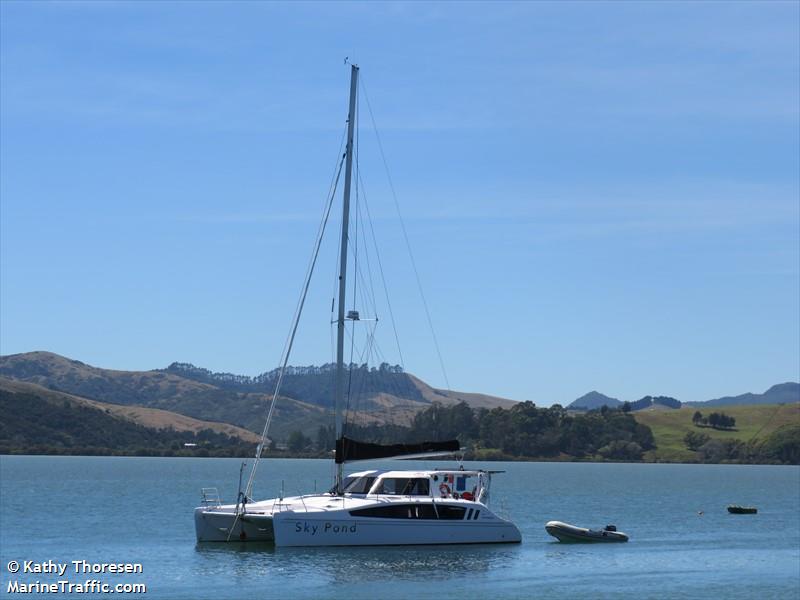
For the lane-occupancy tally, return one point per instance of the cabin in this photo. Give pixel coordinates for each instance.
(441, 484)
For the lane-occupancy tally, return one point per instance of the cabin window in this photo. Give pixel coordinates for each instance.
(412, 511)
(398, 511)
(360, 485)
(403, 486)
(347, 482)
(450, 512)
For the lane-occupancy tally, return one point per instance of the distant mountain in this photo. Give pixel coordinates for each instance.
(655, 402)
(595, 400)
(782, 393)
(592, 401)
(382, 395)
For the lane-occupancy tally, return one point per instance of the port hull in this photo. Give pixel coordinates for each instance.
(223, 526)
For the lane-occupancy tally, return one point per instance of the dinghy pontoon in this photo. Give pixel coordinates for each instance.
(567, 533)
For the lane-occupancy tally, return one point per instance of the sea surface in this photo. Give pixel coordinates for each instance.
(683, 543)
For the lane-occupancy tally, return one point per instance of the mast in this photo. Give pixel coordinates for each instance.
(338, 406)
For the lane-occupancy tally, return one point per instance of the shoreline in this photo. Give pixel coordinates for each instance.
(466, 459)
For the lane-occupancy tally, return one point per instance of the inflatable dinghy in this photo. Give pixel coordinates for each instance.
(565, 532)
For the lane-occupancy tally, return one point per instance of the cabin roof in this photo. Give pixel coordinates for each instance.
(415, 473)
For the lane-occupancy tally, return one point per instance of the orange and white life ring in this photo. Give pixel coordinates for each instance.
(444, 490)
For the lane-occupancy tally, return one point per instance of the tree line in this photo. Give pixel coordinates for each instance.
(522, 431)
(782, 446)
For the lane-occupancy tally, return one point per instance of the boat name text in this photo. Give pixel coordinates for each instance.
(328, 527)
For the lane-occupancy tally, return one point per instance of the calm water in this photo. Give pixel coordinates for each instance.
(140, 510)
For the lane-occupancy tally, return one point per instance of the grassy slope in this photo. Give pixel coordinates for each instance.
(147, 417)
(449, 397)
(752, 422)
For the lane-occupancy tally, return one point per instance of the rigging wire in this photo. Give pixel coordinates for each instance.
(405, 236)
(396, 388)
(383, 281)
(379, 356)
(295, 322)
(372, 298)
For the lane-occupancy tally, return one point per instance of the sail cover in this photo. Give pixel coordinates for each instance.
(347, 449)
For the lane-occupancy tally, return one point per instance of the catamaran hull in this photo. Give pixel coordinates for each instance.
(308, 530)
(222, 526)
(293, 529)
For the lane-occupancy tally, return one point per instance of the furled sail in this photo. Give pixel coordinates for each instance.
(348, 450)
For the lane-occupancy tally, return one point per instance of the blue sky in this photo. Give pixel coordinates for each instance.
(598, 195)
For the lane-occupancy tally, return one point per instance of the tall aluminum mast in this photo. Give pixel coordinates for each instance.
(338, 406)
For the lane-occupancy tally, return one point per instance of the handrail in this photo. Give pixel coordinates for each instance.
(209, 496)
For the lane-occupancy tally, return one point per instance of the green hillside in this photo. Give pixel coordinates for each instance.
(752, 423)
(36, 423)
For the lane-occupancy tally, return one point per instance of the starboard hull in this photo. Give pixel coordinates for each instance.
(310, 530)
(339, 528)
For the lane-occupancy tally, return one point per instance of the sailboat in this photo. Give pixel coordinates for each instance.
(370, 507)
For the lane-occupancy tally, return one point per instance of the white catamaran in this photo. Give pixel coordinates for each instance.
(377, 507)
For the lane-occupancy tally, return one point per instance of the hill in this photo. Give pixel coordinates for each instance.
(596, 400)
(157, 389)
(755, 422)
(315, 385)
(153, 418)
(450, 397)
(383, 395)
(654, 403)
(39, 421)
(777, 394)
(593, 400)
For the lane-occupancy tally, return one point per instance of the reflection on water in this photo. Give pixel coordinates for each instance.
(408, 563)
(353, 564)
(216, 548)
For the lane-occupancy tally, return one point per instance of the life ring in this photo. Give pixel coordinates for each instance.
(467, 496)
(444, 490)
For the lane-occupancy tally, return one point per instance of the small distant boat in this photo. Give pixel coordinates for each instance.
(735, 509)
(571, 534)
